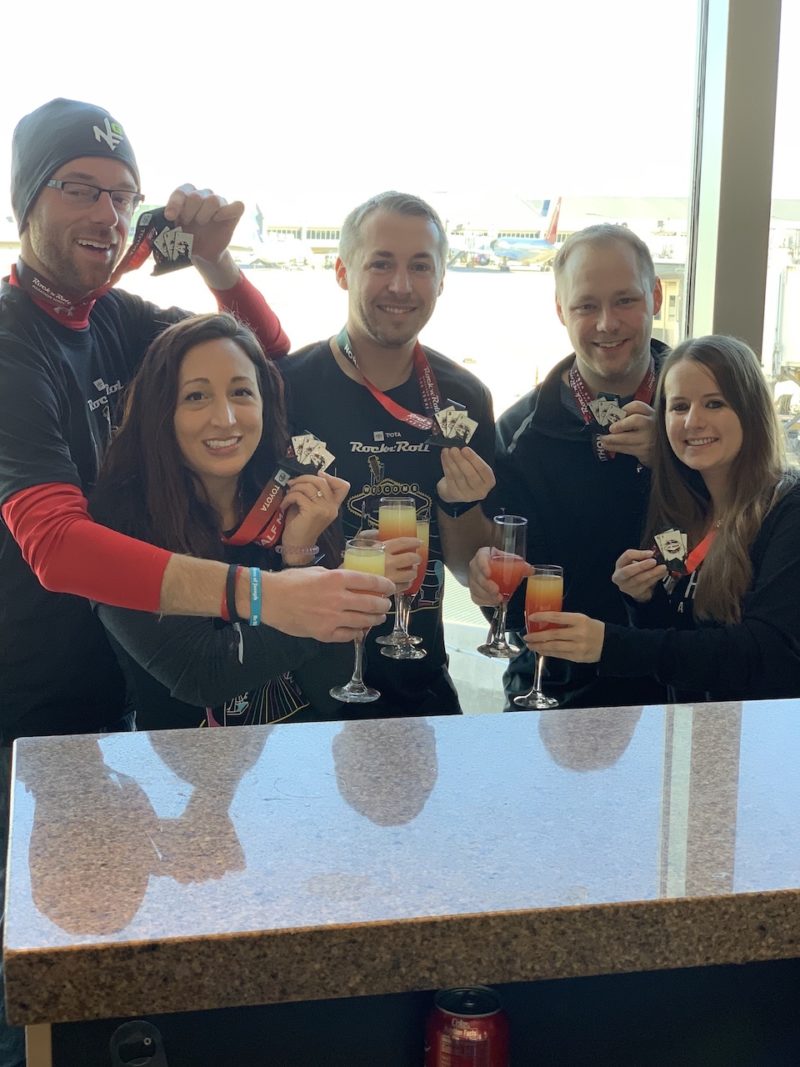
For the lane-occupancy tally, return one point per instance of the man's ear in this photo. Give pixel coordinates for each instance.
(559, 311)
(658, 296)
(341, 273)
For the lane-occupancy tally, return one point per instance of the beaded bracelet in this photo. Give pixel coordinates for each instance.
(301, 550)
(255, 596)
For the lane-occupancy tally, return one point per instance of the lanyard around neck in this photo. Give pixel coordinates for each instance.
(428, 387)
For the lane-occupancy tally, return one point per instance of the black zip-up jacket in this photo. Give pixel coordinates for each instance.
(582, 514)
(757, 658)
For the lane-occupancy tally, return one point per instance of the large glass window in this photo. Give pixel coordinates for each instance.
(781, 351)
(500, 117)
(521, 123)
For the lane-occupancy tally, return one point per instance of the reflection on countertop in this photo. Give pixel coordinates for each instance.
(189, 869)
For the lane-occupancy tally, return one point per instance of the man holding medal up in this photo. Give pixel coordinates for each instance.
(70, 342)
(572, 454)
(395, 419)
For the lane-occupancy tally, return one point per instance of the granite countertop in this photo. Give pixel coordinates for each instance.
(197, 869)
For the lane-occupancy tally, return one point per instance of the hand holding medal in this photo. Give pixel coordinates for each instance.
(467, 477)
(637, 572)
(194, 224)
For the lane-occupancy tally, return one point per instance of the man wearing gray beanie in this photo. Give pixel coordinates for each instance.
(70, 343)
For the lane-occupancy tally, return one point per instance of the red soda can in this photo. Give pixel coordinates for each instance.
(467, 1028)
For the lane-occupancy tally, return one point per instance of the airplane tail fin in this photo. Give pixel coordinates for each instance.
(552, 229)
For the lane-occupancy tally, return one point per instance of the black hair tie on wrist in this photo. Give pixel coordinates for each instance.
(230, 593)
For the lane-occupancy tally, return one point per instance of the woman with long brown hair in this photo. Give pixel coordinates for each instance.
(204, 432)
(715, 591)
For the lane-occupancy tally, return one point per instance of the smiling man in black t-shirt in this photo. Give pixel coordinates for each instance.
(372, 393)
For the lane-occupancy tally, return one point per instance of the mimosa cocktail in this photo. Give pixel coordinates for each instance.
(507, 568)
(368, 556)
(507, 571)
(397, 517)
(545, 592)
(403, 645)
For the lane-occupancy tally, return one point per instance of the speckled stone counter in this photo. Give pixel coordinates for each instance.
(154, 873)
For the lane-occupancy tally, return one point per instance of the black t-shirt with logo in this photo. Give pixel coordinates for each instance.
(59, 398)
(381, 456)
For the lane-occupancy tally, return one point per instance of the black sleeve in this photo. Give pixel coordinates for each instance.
(760, 653)
(33, 450)
(198, 660)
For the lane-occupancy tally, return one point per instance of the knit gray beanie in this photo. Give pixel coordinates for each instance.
(54, 134)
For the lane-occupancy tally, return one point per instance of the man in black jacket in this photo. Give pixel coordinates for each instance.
(576, 469)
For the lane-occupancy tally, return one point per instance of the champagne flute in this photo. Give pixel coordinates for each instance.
(507, 568)
(545, 592)
(368, 556)
(406, 650)
(397, 517)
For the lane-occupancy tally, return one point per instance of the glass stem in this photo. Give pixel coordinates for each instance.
(500, 620)
(404, 611)
(537, 674)
(397, 629)
(359, 664)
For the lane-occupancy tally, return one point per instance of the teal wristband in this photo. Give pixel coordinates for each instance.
(255, 596)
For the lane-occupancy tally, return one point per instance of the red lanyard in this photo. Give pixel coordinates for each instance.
(428, 387)
(700, 551)
(264, 521)
(74, 314)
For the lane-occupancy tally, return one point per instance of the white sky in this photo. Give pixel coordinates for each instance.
(574, 97)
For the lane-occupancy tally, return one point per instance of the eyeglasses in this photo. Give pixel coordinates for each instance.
(80, 195)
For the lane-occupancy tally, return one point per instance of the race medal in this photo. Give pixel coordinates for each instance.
(600, 413)
(455, 427)
(671, 550)
(170, 246)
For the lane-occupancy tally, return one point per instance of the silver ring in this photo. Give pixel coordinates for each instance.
(319, 493)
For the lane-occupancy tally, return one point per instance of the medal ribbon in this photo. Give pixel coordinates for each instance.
(74, 314)
(580, 390)
(700, 551)
(428, 387)
(264, 521)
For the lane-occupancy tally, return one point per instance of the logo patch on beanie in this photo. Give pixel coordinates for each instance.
(113, 134)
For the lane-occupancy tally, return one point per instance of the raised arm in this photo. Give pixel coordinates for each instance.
(212, 221)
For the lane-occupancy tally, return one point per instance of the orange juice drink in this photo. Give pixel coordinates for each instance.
(364, 559)
(545, 592)
(396, 521)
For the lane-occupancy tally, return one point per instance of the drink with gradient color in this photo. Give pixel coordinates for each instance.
(545, 592)
(423, 535)
(397, 517)
(507, 571)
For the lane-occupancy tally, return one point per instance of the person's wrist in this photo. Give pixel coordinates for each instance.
(219, 274)
(298, 555)
(243, 593)
(453, 508)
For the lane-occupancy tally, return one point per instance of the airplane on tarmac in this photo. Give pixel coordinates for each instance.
(529, 251)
